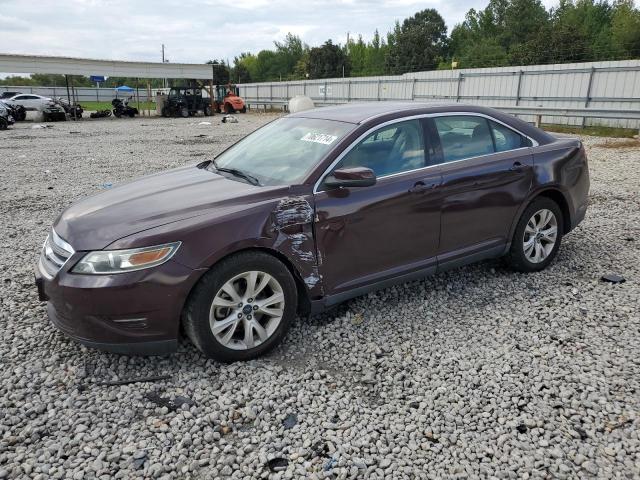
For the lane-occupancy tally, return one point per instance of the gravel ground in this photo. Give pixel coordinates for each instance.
(478, 372)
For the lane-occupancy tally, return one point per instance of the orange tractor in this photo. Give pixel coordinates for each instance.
(228, 100)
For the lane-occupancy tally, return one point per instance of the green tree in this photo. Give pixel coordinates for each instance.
(328, 61)
(625, 30)
(220, 73)
(418, 44)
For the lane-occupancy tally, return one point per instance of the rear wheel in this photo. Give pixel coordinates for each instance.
(241, 308)
(537, 237)
(207, 110)
(228, 108)
(184, 112)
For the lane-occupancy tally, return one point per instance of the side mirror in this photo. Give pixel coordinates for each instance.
(351, 177)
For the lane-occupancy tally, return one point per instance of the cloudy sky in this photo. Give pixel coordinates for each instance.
(195, 31)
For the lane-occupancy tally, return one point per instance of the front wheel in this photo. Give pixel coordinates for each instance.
(241, 308)
(537, 237)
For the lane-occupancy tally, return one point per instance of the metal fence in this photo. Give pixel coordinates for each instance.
(595, 93)
(83, 94)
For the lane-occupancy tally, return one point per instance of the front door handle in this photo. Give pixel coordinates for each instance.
(421, 186)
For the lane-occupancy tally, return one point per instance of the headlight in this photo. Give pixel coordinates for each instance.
(104, 262)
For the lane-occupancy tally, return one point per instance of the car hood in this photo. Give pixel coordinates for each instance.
(95, 222)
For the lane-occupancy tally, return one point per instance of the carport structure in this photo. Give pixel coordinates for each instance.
(112, 68)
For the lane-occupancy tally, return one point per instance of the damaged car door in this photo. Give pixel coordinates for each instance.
(367, 235)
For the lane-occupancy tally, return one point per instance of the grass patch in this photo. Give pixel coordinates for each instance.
(626, 143)
(595, 131)
(93, 106)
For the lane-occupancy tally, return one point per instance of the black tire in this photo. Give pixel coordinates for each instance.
(195, 317)
(184, 112)
(228, 108)
(516, 257)
(117, 113)
(3, 124)
(207, 110)
(244, 109)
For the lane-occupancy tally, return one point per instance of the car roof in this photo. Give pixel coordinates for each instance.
(360, 113)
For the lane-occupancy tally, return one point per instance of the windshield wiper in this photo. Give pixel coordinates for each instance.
(238, 173)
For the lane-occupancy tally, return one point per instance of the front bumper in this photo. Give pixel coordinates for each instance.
(133, 313)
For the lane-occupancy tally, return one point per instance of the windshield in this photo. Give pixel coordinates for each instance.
(284, 151)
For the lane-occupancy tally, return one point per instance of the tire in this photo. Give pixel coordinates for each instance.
(230, 272)
(244, 109)
(3, 124)
(228, 108)
(184, 112)
(531, 248)
(117, 113)
(164, 112)
(207, 110)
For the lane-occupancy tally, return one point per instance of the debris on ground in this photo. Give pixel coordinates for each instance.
(229, 119)
(332, 462)
(357, 319)
(290, 421)
(204, 123)
(172, 404)
(139, 459)
(278, 464)
(613, 278)
(35, 127)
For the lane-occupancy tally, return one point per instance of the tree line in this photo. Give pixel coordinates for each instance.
(506, 32)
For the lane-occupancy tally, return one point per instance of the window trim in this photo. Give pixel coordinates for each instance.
(329, 169)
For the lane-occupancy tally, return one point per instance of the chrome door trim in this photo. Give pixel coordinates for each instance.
(328, 170)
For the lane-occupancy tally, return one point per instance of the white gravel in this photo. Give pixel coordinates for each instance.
(478, 372)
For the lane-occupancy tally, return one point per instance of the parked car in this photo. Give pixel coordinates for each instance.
(5, 95)
(6, 119)
(30, 101)
(18, 112)
(306, 212)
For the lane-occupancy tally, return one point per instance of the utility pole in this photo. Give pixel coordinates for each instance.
(164, 80)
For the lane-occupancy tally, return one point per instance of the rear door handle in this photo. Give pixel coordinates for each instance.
(518, 167)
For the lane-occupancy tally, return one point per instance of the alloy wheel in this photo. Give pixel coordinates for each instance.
(247, 310)
(540, 236)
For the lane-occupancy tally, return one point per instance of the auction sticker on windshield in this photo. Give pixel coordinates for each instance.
(322, 138)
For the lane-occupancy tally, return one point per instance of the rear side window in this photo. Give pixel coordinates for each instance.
(464, 137)
(507, 139)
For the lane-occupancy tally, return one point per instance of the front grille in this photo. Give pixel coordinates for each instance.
(55, 254)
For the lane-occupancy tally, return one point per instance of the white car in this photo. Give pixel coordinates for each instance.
(30, 101)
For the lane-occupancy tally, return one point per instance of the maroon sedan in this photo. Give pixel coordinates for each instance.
(306, 212)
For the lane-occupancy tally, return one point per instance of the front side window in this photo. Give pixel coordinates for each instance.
(392, 149)
(284, 151)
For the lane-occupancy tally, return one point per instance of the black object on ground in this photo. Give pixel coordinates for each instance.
(127, 381)
(613, 278)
